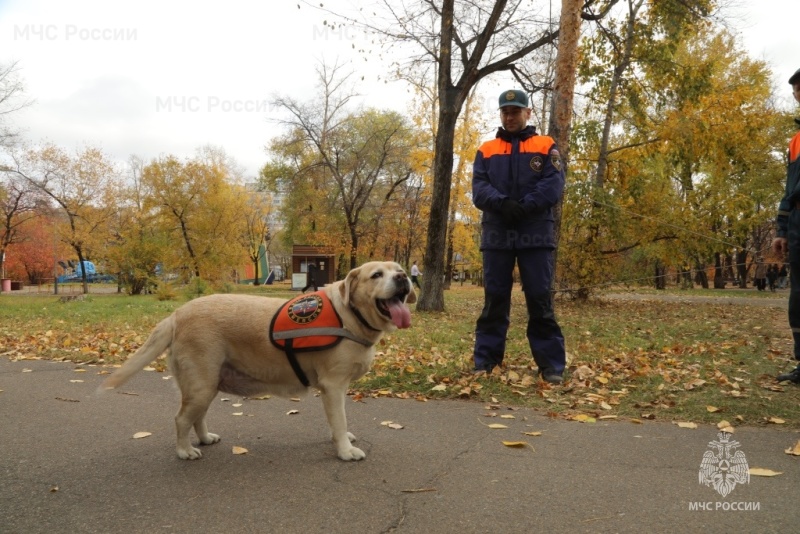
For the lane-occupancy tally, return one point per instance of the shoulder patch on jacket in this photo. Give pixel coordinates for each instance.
(555, 158)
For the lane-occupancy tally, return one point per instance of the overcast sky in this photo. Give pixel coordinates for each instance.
(167, 77)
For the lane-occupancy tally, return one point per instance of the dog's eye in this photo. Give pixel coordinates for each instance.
(377, 274)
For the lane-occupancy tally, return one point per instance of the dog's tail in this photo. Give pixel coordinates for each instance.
(159, 341)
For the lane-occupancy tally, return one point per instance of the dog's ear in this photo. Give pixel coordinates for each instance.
(350, 282)
(412, 297)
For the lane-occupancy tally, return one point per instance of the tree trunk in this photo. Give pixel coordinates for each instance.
(85, 281)
(560, 123)
(661, 276)
(741, 267)
(432, 298)
(719, 272)
(255, 270)
(701, 277)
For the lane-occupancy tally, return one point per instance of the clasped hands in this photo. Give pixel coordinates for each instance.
(511, 211)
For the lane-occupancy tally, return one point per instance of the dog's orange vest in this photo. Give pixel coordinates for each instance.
(306, 323)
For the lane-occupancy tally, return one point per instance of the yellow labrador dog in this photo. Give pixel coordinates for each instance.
(226, 343)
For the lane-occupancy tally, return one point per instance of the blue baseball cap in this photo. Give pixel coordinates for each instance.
(514, 97)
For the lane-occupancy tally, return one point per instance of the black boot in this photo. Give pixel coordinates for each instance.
(791, 376)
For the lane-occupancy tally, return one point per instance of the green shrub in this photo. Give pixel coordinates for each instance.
(227, 287)
(197, 287)
(165, 291)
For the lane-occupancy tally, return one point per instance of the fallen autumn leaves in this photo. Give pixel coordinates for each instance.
(632, 361)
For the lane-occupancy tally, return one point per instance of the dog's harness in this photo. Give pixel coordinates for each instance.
(306, 323)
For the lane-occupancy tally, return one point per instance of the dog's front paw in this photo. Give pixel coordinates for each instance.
(190, 453)
(209, 439)
(353, 453)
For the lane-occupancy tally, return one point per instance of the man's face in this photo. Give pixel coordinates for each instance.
(514, 118)
(796, 91)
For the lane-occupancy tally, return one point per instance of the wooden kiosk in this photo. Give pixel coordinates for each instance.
(322, 257)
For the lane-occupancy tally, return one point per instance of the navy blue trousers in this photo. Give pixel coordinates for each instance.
(794, 306)
(794, 278)
(544, 335)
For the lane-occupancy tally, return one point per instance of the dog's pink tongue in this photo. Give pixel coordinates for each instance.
(401, 316)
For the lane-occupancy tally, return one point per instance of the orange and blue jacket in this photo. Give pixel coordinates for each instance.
(525, 167)
(790, 200)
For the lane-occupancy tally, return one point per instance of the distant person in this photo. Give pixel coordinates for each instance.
(415, 274)
(311, 277)
(787, 238)
(783, 275)
(772, 276)
(760, 276)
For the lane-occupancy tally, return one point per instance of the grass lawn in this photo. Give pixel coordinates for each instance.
(707, 361)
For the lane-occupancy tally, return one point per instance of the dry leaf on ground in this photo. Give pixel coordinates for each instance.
(725, 426)
(140, 435)
(795, 450)
(392, 424)
(239, 450)
(761, 472)
(583, 418)
(686, 425)
(517, 444)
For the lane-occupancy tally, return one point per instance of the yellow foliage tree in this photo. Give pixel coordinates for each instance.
(200, 213)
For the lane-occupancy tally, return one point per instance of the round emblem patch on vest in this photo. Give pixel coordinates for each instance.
(537, 163)
(305, 310)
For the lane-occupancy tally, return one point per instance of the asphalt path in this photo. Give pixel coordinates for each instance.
(69, 463)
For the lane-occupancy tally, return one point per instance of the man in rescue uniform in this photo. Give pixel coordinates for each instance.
(517, 180)
(788, 236)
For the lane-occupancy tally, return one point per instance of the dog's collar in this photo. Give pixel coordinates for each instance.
(362, 319)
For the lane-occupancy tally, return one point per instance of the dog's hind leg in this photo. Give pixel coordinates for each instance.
(201, 429)
(196, 370)
(333, 399)
(193, 414)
